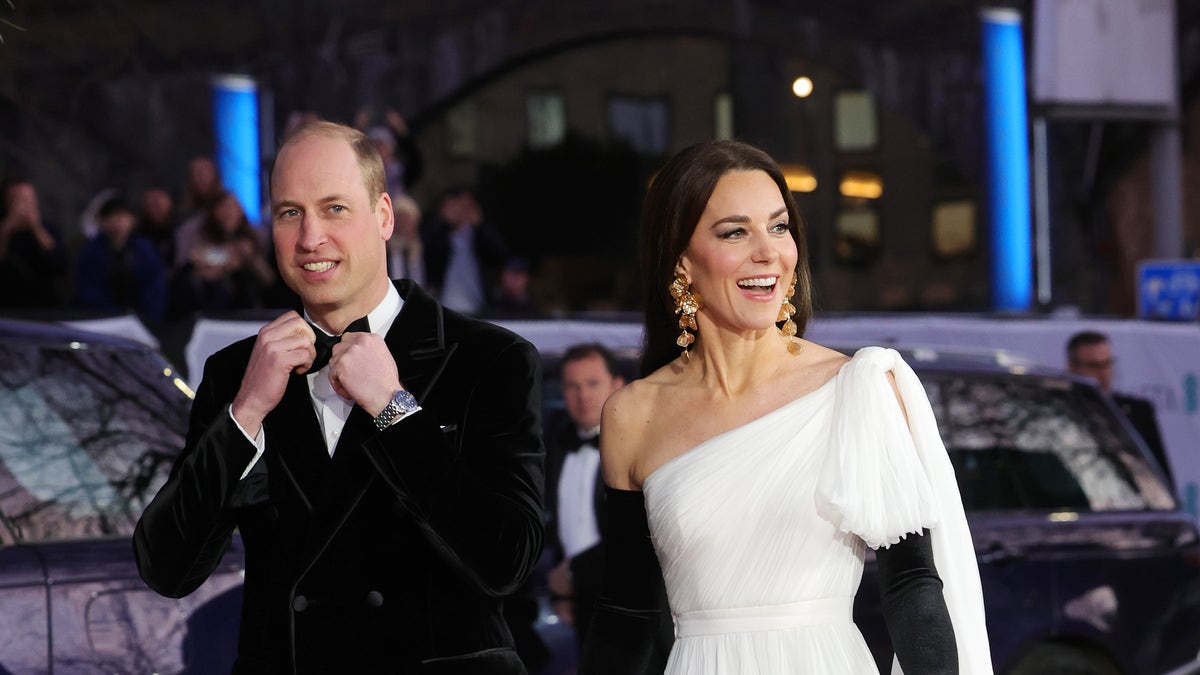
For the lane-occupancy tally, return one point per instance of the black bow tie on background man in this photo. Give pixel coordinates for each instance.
(325, 343)
(572, 442)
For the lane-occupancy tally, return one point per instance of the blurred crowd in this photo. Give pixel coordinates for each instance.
(169, 254)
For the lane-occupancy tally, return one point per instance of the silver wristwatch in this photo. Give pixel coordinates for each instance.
(402, 403)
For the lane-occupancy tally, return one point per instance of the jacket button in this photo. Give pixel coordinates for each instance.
(300, 603)
(374, 599)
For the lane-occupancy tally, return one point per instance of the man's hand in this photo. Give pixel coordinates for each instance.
(363, 370)
(563, 588)
(283, 346)
(559, 579)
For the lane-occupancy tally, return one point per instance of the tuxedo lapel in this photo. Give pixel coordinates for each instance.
(417, 340)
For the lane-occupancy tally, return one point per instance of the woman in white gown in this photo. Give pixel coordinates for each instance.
(754, 467)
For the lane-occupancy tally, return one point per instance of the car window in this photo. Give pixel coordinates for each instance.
(87, 436)
(1039, 443)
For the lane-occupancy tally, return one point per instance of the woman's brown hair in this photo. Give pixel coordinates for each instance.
(677, 198)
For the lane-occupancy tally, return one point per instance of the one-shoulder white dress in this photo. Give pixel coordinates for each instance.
(761, 530)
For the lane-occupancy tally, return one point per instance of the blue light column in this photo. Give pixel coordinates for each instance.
(235, 130)
(1007, 160)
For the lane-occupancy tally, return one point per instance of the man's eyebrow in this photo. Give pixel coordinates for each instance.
(328, 199)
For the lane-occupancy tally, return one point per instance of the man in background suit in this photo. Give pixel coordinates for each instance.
(389, 499)
(575, 486)
(463, 252)
(1089, 353)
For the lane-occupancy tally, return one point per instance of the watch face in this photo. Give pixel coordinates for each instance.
(406, 401)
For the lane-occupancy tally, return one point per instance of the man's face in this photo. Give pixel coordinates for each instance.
(21, 198)
(586, 385)
(1094, 361)
(330, 236)
(156, 204)
(117, 226)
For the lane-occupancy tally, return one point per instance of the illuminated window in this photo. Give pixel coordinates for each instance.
(799, 177)
(546, 119)
(723, 116)
(855, 126)
(861, 185)
(954, 229)
(462, 130)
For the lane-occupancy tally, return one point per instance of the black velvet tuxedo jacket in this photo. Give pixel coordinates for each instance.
(395, 554)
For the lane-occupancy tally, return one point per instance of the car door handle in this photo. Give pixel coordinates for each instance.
(999, 553)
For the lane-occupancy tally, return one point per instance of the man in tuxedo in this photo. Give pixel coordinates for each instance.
(387, 484)
(1089, 353)
(575, 486)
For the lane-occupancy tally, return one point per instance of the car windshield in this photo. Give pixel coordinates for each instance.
(87, 436)
(1039, 444)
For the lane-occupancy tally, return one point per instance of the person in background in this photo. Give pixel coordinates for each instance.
(118, 270)
(227, 266)
(402, 159)
(1090, 354)
(513, 297)
(202, 186)
(574, 485)
(380, 455)
(406, 254)
(157, 223)
(463, 254)
(33, 262)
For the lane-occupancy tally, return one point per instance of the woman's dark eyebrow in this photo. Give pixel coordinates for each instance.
(746, 219)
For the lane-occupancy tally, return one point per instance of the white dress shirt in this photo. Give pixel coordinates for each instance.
(462, 287)
(577, 527)
(332, 410)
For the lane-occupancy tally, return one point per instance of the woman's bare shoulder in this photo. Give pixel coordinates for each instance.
(822, 361)
(628, 420)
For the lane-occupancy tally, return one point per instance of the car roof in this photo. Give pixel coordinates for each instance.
(55, 334)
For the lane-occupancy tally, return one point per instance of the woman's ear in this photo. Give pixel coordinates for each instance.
(681, 268)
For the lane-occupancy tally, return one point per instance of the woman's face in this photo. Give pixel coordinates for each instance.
(741, 256)
(228, 213)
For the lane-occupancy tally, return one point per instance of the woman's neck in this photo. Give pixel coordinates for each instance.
(735, 362)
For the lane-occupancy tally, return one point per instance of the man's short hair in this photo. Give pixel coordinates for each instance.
(586, 350)
(370, 163)
(1085, 338)
(114, 204)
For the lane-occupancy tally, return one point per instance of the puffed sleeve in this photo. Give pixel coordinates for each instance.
(885, 477)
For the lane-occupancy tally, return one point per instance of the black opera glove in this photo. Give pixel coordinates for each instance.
(914, 609)
(632, 631)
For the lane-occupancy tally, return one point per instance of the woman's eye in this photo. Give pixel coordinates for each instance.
(730, 234)
(779, 227)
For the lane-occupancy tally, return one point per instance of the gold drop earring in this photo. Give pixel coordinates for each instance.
(786, 311)
(686, 306)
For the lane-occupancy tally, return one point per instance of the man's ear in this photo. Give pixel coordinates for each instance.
(387, 220)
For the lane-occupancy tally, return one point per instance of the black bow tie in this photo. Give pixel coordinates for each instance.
(572, 441)
(325, 343)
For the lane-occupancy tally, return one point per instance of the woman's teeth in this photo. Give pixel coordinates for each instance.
(760, 283)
